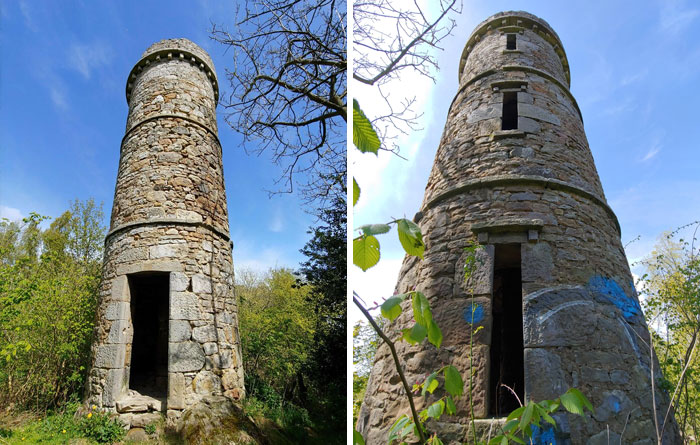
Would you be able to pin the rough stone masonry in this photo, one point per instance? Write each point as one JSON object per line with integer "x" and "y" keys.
{"x": 167, "y": 331}
{"x": 553, "y": 293}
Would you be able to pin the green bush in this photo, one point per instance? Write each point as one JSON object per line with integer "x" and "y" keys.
{"x": 101, "y": 428}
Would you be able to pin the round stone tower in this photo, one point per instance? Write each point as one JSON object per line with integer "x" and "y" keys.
{"x": 167, "y": 331}
{"x": 552, "y": 292}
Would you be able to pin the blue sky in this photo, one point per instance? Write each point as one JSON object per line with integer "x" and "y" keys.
{"x": 63, "y": 113}
{"x": 635, "y": 72}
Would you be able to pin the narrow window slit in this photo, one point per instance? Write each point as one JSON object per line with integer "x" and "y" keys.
{"x": 507, "y": 350}
{"x": 510, "y": 41}
{"x": 509, "y": 119}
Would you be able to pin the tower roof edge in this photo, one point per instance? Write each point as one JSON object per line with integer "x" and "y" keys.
{"x": 520, "y": 19}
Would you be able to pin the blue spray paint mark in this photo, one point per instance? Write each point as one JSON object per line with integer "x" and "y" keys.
{"x": 544, "y": 436}
{"x": 473, "y": 313}
{"x": 616, "y": 405}
{"x": 609, "y": 287}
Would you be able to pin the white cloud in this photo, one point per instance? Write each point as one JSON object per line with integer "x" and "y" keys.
{"x": 674, "y": 18}
{"x": 10, "y": 213}
{"x": 58, "y": 96}
{"x": 374, "y": 285}
{"x": 277, "y": 222}
{"x": 651, "y": 153}
{"x": 27, "y": 14}
{"x": 86, "y": 57}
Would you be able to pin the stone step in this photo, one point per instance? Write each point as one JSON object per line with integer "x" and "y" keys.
{"x": 137, "y": 403}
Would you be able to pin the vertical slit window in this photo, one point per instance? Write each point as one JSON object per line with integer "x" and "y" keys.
{"x": 509, "y": 120}
{"x": 510, "y": 41}
{"x": 507, "y": 349}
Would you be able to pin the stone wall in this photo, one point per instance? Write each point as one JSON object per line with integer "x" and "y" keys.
{"x": 170, "y": 220}
{"x": 537, "y": 187}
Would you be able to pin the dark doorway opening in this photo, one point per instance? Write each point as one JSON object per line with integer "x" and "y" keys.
{"x": 507, "y": 361}
{"x": 510, "y": 41}
{"x": 509, "y": 119}
{"x": 149, "y": 349}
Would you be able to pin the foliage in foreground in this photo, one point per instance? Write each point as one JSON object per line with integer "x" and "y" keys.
{"x": 671, "y": 300}
{"x": 278, "y": 325}
{"x": 65, "y": 425}
{"x": 48, "y": 295}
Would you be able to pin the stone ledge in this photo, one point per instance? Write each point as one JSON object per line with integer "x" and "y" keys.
{"x": 165, "y": 222}
{"x": 545, "y": 183}
{"x": 504, "y": 134}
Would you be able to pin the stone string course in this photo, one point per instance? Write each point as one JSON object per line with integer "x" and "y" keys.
{"x": 170, "y": 215}
{"x": 582, "y": 323}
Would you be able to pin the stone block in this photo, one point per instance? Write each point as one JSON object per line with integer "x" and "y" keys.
{"x": 544, "y": 377}
{"x": 604, "y": 437}
{"x": 164, "y": 251}
{"x": 176, "y": 391}
{"x": 110, "y": 356}
{"x": 117, "y": 310}
{"x": 114, "y": 387}
{"x": 204, "y": 334}
{"x": 455, "y": 318}
{"x": 537, "y": 264}
{"x": 143, "y": 420}
{"x": 132, "y": 254}
{"x": 206, "y": 383}
{"x": 201, "y": 284}
{"x": 210, "y": 348}
{"x": 538, "y": 113}
{"x": 480, "y": 281}
{"x": 179, "y": 282}
{"x": 183, "y": 306}
{"x": 185, "y": 357}
{"x": 150, "y": 266}
{"x": 120, "y": 332}
{"x": 180, "y": 330}
{"x": 120, "y": 288}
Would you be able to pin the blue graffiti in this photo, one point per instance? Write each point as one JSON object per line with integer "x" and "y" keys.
{"x": 546, "y": 436}
{"x": 609, "y": 287}
{"x": 473, "y": 313}
{"x": 616, "y": 405}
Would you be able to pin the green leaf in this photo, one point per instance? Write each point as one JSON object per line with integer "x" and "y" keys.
{"x": 516, "y": 413}
{"x": 526, "y": 417}
{"x": 430, "y": 384}
{"x": 363, "y": 134}
{"x": 365, "y": 251}
{"x": 434, "y": 334}
{"x": 504, "y": 441}
{"x": 515, "y": 439}
{"x": 510, "y": 425}
{"x": 582, "y": 398}
{"x": 411, "y": 237}
{"x": 453, "y": 381}
{"x": 391, "y": 308}
{"x": 414, "y": 335}
{"x": 436, "y": 409}
{"x": 355, "y": 192}
{"x": 421, "y": 309}
{"x": 397, "y": 427}
{"x": 357, "y": 438}
{"x": 450, "y": 405}
{"x": 374, "y": 229}
{"x": 572, "y": 403}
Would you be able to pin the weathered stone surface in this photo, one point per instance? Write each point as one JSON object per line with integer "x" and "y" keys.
{"x": 204, "y": 334}
{"x": 169, "y": 216}
{"x": 184, "y": 306}
{"x": 185, "y": 356}
{"x": 145, "y": 419}
{"x": 137, "y": 435}
{"x": 110, "y": 356}
{"x": 582, "y": 324}
{"x": 137, "y": 403}
{"x": 179, "y": 282}
{"x": 176, "y": 391}
{"x": 180, "y": 330}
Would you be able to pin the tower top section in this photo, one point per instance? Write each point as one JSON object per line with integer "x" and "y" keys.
{"x": 174, "y": 49}
{"x": 515, "y": 22}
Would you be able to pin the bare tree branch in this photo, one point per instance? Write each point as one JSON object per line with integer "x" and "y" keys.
{"x": 288, "y": 95}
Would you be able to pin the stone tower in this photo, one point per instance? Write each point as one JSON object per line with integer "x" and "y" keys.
{"x": 167, "y": 319}
{"x": 552, "y": 292}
